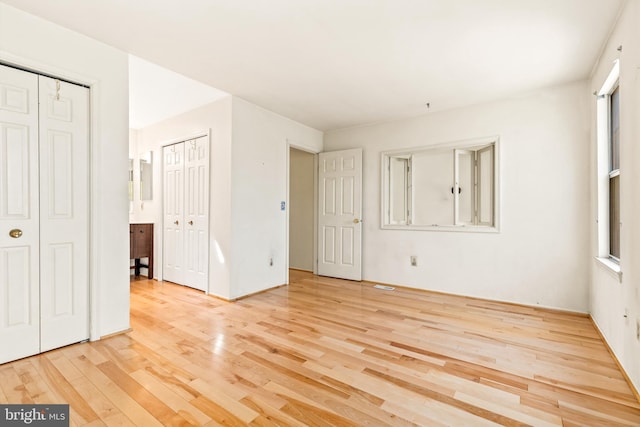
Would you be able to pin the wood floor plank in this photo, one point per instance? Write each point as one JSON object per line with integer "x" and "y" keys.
{"x": 178, "y": 404}
{"x": 327, "y": 352}
{"x": 219, "y": 414}
{"x": 144, "y": 397}
{"x": 12, "y": 386}
{"x": 125, "y": 403}
{"x": 434, "y": 413}
{"x": 80, "y": 410}
{"x": 269, "y": 415}
{"x": 35, "y": 385}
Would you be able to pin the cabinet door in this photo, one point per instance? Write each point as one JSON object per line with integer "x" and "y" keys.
{"x": 142, "y": 237}
{"x": 131, "y": 234}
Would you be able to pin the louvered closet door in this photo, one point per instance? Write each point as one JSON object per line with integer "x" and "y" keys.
{"x": 19, "y": 211}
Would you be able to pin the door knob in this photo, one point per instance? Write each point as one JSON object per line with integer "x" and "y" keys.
{"x": 176, "y": 222}
{"x": 356, "y": 221}
{"x": 15, "y": 233}
{"x": 190, "y": 222}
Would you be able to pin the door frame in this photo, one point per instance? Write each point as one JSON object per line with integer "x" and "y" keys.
{"x": 160, "y": 240}
{"x": 290, "y": 143}
{"x": 95, "y": 90}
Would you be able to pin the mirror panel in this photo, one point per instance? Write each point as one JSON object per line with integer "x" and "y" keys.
{"x": 130, "y": 180}
{"x": 146, "y": 176}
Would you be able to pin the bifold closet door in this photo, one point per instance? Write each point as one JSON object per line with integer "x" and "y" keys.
{"x": 196, "y": 213}
{"x": 173, "y": 268}
{"x": 44, "y": 198}
{"x": 19, "y": 215}
{"x": 64, "y": 213}
{"x": 186, "y": 213}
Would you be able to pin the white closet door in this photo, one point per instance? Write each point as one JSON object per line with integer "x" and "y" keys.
{"x": 64, "y": 213}
{"x": 19, "y": 258}
{"x": 173, "y": 158}
{"x": 196, "y": 216}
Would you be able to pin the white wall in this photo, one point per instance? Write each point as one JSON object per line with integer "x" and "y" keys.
{"x": 248, "y": 181}
{"x": 31, "y": 42}
{"x": 215, "y": 117}
{"x": 610, "y": 297}
{"x": 301, "y": 194}
{"x": 540, "y": 256}
{"x": 259, "y": 184}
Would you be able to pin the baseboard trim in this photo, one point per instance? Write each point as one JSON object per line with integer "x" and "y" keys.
{"x": 116, "y": 333}
{"x": 515, "y": 304}
{"x": 223, "y": 299}
{"x": 409, "y": 288}
{"x": 245, "y": 296}
{"x": 256, "y": 293}
{"x": 615, "y": 359}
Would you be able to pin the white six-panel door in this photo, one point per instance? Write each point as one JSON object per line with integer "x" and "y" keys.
{"x": 19, "y": 211}
{"x": 173, "y": 188}
{"x": 340, "y": 214}
{"x": 196, "y": 211}
{"x": 43, "y": 213}
{"x": 186, "y": 212}
{"x": 64, "y": 213}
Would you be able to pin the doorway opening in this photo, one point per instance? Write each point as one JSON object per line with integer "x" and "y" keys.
{"x": 155, "y": 121}
{"x": 302, "y": 207}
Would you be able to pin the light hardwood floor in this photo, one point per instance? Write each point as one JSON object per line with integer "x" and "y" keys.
{"x": 329, "y": 352}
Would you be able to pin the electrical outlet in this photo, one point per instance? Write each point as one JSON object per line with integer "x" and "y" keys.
{"x": 414, "y": 260}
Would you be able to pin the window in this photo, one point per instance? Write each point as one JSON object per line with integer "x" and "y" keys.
{"x": 608, "y": 140}
{"x": 444, "y": 187}
{"x": 614, "y": 174}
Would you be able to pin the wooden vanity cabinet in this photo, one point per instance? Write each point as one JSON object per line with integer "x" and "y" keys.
{"x": 141, "y": 246}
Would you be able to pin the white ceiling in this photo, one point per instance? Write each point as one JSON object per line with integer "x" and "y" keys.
{"x": 338, "y": 63}
{"x": 156, "y": 93}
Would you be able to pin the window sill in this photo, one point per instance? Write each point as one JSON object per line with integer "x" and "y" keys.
{"x": 612, "y": 267}
{"x": 455, "y": 228}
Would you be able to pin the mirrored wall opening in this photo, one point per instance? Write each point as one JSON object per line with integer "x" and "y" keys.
{"x": 451, "y": 186}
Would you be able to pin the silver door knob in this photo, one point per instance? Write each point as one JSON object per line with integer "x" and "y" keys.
{"x": 15, "y": 233}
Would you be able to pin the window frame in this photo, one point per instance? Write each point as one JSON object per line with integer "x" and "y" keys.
{"x": 614, "y": 173}
{"x": 475, "y": 145}
{"x": 606, "y": 171}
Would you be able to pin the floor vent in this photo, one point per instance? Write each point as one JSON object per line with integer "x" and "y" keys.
{"x": 386, "y": 288}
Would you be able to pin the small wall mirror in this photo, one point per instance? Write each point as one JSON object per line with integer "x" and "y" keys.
{"x": 130, "y": 180}
{"x": 146, "y": 176}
